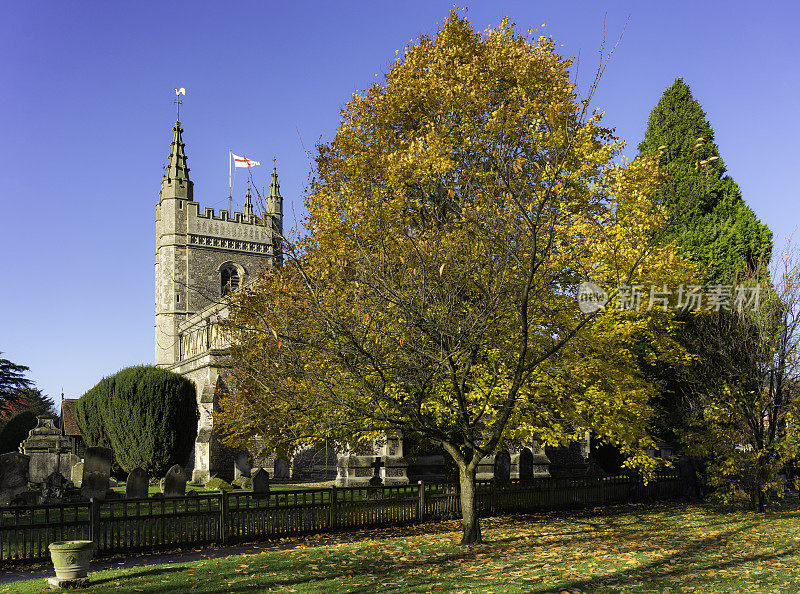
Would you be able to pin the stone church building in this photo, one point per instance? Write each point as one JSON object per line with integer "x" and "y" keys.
{"x": 200, "y": 256}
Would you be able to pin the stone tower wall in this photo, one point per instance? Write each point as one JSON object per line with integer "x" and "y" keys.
{"x": 191, "y": 248}
{"x": 171, "y": 269}
{"x": 216, "y": 240}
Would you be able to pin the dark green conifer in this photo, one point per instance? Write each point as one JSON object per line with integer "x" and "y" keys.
{"x": 712, "y": 223}
{"x": 146, "y": 415}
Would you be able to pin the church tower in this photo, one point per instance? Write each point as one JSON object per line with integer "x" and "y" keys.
{"x": 171, "y": 250}
{"x": 200, "y": 256}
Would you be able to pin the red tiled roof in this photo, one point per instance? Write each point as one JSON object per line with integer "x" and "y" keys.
{"x": 69, "y": 420}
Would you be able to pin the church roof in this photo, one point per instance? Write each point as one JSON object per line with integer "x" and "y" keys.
{"x": 69, "y": 420}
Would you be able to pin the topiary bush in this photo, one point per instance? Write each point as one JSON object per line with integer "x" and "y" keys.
{"x": 16, "y": 431}
{"x": 146, "y": 415}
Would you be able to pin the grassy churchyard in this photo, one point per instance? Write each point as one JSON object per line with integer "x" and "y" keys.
{"x": 633, "y": 548}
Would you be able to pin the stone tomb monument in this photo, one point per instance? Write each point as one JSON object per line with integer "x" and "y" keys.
{"x": 136, "y": 487}
{"x": 49, "y": 451}
{"x": 174, "y": 484}
{"x": 260, "y": 481}
{"x": 96, "y": 472}
{"x": 13, "y": 475}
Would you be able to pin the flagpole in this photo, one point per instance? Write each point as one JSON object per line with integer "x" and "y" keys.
{"x": 230, "y": 186}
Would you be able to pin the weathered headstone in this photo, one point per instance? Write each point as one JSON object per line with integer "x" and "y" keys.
{"x": 260, "y": 481}
{"x": 13, "y": 475}
{"x": 137, "y": 484}
{"x": 96, "y": 472}
{"x": 241, "y": 465}
{"x": 77, "y": 474}
{"x": 53, "y": 488}
{"x": 174, "y": 482}
{"x": 525, "y": 464}
{"x": 281, "y": 469}
{"x": 502, "y": 466}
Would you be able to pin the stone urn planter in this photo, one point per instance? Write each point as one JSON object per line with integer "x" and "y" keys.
{"x": 71, "y": 560}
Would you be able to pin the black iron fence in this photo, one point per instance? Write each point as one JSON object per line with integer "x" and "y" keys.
{"x": 129, "y": 525}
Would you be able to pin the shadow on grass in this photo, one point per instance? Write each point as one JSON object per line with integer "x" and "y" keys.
{"x": 689, "y": 560}
{"x": 138, "y": 574}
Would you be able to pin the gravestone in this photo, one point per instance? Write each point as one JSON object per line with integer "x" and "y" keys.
{"x": 53, "y": 488}
{"x": 96, "y": 472}
{"x": 260, "y": 481}
{"x": 175, "y": 482}
{"x": 502, "y": 466}
{"x": 241, "y": 465}
{"x": 13, "y": 475}
{"x": 137, "y": 484}
{"x": 525, "y": 464}
{"x": 281, "y": 469}
{"x": 376, "y": 480}
{"x": 77, "y": 474}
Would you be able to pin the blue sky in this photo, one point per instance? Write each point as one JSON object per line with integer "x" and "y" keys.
{"x": 86, "y": 93}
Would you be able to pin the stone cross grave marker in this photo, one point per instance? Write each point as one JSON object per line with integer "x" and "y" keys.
{"x": 175, "y": 482}
{"x": 96, "y": 472}
{"x": 13, "y": 475}
{"x": 376, "y": 480}
{"x": 137, "y": 484}
{"x": 260, "y": 481}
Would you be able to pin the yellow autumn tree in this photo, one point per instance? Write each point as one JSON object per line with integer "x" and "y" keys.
{"x": 434, "y": 291}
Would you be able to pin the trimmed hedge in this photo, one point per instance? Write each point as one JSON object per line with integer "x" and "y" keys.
{"x": 146, "y": 415}
{"x": 16, "y": 431}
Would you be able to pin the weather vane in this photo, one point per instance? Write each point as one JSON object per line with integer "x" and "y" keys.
{"x": 178, "y": 93}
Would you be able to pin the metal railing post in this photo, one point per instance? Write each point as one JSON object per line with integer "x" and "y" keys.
{"x": 332, "y": 508}
{"x": 94, "y": 522}
{"x": 223, "y": 516}
{"x": 421, "y": 509}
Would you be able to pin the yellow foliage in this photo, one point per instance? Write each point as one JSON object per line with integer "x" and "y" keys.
{"x": 450, "y": 221}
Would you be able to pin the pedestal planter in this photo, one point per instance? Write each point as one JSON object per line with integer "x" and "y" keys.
{"x": 71, "y": 560}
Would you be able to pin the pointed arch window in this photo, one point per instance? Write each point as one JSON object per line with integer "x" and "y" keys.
{"x": 230, "y": 279}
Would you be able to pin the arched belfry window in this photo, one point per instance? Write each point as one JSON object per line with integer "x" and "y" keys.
{"x": 230, "y": 278}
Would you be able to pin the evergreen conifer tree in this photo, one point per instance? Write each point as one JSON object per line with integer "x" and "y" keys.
{"x": 712, "y": 223}
{"x": 146, "y": 415}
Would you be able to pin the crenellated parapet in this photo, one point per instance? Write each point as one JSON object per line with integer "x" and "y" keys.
{"x": 227, "y": 231}
{"x": 234, "y": 217}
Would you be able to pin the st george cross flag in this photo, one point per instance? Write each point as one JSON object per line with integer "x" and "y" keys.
{"x": 242, "y": 162}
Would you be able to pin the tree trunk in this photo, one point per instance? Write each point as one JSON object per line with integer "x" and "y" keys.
{"x": 469, "y": 516}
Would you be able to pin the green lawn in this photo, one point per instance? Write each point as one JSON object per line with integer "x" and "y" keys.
{"x": 624, "y": 549}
